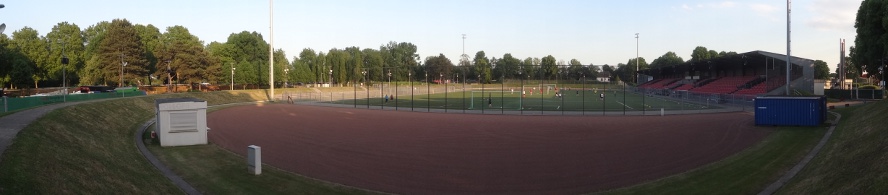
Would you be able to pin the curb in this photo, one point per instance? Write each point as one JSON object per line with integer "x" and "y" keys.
{"x": 771, "y": 189}
{"x": 166, "y": 171}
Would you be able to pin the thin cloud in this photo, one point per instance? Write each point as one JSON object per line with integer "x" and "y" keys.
{"x": 719, "y": 5}
{"x": 836, "y": 15}
{"x": 763, "y": 8}
{"x": 726, "y": 4}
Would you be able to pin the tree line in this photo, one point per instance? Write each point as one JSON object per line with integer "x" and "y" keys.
{"x": 124, "y": 54}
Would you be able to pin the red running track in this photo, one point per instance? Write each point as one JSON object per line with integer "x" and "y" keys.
{"x": 438, "y": 153}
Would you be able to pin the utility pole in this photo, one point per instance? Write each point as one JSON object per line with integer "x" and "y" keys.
{"x": 122, "y": 65}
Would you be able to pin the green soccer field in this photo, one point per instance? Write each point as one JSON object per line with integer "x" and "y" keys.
{"x": 574, "y": 99}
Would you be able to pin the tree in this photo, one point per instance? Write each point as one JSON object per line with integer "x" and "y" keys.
{"x": 250, "y": 52}
{"x": 151, "y": 43}
{"x": 399, "y": 57}
{"x": 700, "y": 53}
{"x": 508, "y": 66}
{"x": 631, "y": 71}
{"x": 851, "y": 71}
{"x": 575, "y": 70}
{"x": 483, "y": 67}
{"x": 872, "y": 31}
{"x": 548, "y": 67}
{"x": 33, "y": 47}
{"x": 438, "y": 67}
{"x": 337, "y": 61}
{"x": 92, "y": 36}
{"x": 187, "y": 58}
{"x": 120, "y": 46}
{"x": 713, "y": 54}
{"x": 67, "y": 38}
{"x": 355, "y": 64}
{"x": 220, "y": 52}
{"x": 15, "y": 68}
{"x": 667, "y": 60}
{"x": 821, "y": 70}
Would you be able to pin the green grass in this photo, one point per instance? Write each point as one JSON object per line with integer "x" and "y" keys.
{"x": 214, "y": 170}
{"x": 573, "y": 100}
{"x": 854, "y": 159}
{"x": 747, "y": 172}
{"x": 89, "y": 148}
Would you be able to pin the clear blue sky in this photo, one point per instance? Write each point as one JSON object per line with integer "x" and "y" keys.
{"x": 592, "y": 31}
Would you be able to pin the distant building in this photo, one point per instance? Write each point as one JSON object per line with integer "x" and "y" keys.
{"x": 604, "y": 77}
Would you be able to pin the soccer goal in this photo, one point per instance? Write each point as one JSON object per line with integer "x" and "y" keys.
{"x": 540, "y": 89}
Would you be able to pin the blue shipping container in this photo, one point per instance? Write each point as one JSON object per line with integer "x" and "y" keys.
{"x": 790, "y": 111}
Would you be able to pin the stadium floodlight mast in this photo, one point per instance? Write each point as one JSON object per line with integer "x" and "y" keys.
{"x": 637, "y": 64}
{"x": 464, "y": 44}
{"x": 271, "y": 50}
{"x": 788, "y": 41}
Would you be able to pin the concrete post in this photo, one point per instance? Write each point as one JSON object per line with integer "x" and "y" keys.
{"x": 254, "y": 159}
{"x": 5, "y": 109}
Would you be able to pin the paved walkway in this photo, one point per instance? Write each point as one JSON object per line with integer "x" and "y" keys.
{"x": 771, "y": 189}
{"x": 11, "y": 124}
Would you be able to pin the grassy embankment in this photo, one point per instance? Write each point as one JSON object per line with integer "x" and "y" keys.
{"x": 90, "y": 148}
{"x": 853, "y": 161}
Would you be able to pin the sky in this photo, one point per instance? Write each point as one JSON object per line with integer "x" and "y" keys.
{"x": 591, "y": 31}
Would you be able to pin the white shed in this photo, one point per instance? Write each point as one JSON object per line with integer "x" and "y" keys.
{"x": 181, "y": 121}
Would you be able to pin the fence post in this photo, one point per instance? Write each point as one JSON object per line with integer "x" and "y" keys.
{"x": 5, "y": 109}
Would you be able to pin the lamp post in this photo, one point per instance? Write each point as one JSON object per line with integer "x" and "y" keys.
{"x": 882, "y": 72}
{"x": 286, "y": 77}
{"x": 521, "y": 99}
{"x": 441, "y": 79}
{"x": 122, "y": 66}
{"x": 428, "y": 92}
{"x": 169, "y": 76}
{"x": 463, "y": 94}
{"x": 409, "y": 78}
{"x": 331, "y": 78}
{"x": 64, "y": 72}
{"x": 368, "y": 88}
{"x": 232, "y": 77}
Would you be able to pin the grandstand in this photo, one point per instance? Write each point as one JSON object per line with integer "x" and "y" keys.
{"x": 750, "y": 74}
